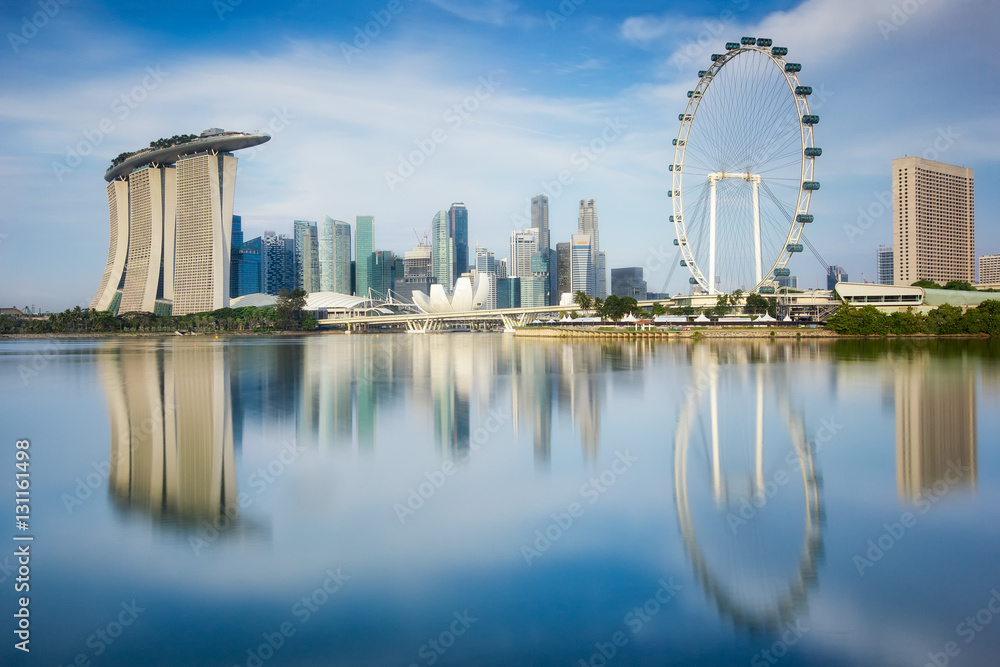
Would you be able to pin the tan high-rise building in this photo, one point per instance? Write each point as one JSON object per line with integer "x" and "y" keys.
{"x": 171, "y": 212}
{"x": 989, "y": 269}
{"x": 933, "y": 222}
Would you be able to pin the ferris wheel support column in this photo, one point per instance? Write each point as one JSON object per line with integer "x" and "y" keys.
{"x": 755, "y": 180}
{"x": 712, "y": 180}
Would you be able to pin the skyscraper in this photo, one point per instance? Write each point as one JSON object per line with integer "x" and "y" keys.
{"x": 582, "y": 278}
{"x": 342, "y": 257}
{"x": 458, "y": 227}
{"x": 279, "y": 262}
{"x": 523, "y": 244}
{"x": 171, "y": 212}
{"x": 383, "y": 273}
{"x": 602, "y": 276}
{"x": 251, "y": 273}
{"x": 487, "y": 269}
{"x": 564, "y": 273}
{"x": 334, "y": 253}
{"x": 443, "y": 251}
{"x": 306, "y": 256}
{"x": 989, "y": 269}
{"x": 835, "y": 274}
{"x": 325, "y": 232}
{"x": 417, "y": 272}
{"x": 628, "y": 282}
{"x": 587, "y": 224}
{"x": 883, "y": 258}
{"x": 540, "y": 219}
{"x": 364, "y": 245}
{"x": 933, "y": 226}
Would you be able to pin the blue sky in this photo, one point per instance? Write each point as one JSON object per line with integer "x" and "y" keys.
{"x": 538, "y": 80}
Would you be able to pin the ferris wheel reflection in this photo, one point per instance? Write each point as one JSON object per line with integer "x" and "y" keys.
{"x": 745, "y": 475}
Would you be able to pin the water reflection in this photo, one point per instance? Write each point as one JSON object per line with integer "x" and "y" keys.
{"x": 935, "y": 424}
{"x": 740, "y": 453}
{"x": 741, "y": 423}
{"x": 171, "y": 430}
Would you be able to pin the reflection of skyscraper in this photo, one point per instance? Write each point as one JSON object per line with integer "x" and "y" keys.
{"x": 171, "y": 431}
{"x": 935, "y": 426}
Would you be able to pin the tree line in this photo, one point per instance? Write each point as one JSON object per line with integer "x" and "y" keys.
{"x": 285, "y": 315}
{"x": 870, "y": 321}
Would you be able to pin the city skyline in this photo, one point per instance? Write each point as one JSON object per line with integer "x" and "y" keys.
{"x": 590, "y": 93}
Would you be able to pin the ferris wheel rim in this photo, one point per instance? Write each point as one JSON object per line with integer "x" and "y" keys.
{"x": 800, "y": 213}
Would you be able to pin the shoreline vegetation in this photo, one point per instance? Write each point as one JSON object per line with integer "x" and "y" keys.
{"x": 287, "y": 317}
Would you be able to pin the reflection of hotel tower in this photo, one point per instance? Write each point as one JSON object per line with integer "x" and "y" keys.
{"x": 171, "y": 430}
{"x": 935, "y": 425}
{"x": 171, "y": 212}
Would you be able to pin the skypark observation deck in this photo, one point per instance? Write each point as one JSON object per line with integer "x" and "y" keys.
{"x": 221, "y": 142}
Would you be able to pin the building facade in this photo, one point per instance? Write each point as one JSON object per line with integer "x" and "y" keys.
{"x": 933, "y": 222}
{"x": 458, "y": 227}
{"x": 171, "y": 215}
{"x": 383, "y": 273}
{"x": 582, "y": 278}
{"x": 306, "y": 256}
{"x": 563, "y": 270}
{"x": 442, "y": 251}
{"x": 486, "y": 268}
{"x": 989, "y": 269}
{"x": 628, "y": 282}
{"x": 364, "y": 246}
{"x": 883, "y": 264}
{"x": 835, "y": 274}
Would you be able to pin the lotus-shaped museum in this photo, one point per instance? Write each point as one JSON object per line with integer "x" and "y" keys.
{"x": 465, "y": 298}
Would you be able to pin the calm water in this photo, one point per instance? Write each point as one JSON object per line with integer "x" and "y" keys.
{"x": 476, "y": 499}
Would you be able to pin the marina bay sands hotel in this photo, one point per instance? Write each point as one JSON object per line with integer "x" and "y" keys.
{"x": 171, "y": 211}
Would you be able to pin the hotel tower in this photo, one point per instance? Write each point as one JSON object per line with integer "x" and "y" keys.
{"x": 171, "y": 211}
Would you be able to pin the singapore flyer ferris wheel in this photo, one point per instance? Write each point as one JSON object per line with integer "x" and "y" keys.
{"x": 742, "y": 175}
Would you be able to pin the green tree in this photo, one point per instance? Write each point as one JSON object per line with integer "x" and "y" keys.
{"x": 756, "y": 304}
{"x": 288, "y": 307}
{"x": 583, "y": 300}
